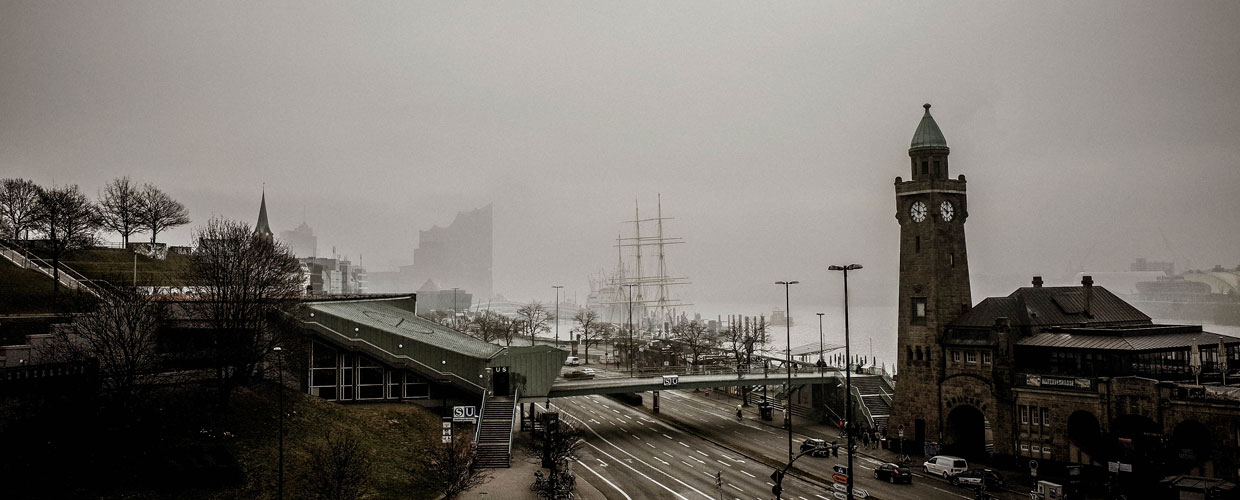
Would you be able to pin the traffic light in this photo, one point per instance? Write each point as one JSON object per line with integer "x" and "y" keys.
{"x": 835, "y": 450}
{"x": 777, "y": 489}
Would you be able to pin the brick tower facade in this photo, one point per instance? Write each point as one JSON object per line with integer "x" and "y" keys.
{"x": 934, "y": 279}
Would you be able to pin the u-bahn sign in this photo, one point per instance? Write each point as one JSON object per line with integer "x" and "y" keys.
{"x": 465, "y": 414}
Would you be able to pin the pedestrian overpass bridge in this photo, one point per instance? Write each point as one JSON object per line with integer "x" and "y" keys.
{"x": 562, "y": 387}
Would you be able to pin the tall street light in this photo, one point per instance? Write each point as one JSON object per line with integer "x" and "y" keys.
{"x": 455, "y": 322}
{"x": 788, "y": 363}
{"x": 280, "y": 373}
{"x": 847, "y": 376}
{"x": 822, "y": 352}
{"x": 557, "y": 314}
{"x": 630, "y": 328}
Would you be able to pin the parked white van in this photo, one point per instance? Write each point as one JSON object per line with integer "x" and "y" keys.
{"x": 945, "y": 466}
{"x": 572, "y": 361}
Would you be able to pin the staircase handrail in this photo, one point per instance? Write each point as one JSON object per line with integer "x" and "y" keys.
{"x": 516, "y": 403}
{"x": 68, "y": 276}
{"x": 887, "y": 378}
{"x": 865, "y": 410}
{"x": 482, "y": 412}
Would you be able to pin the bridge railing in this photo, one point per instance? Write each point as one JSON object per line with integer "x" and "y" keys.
{"x": 753, "y": 370}
{"x": 860, "y": 403}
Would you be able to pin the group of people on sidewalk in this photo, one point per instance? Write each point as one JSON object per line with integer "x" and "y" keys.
{"x": 870, "y": 438}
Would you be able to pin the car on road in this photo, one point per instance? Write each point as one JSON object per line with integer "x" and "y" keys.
{"x": 816, "y": 447}
{"x": 945, "y": 466}
{"x": 578, "y": 374}
{"x": 976, "y": 477}
{"x": 572, "y": 361}
{"x": 893, "y": 473}
{"x": 588, "y": 371}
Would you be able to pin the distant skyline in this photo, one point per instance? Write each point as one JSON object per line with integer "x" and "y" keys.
{"x": 1091, "y": 133}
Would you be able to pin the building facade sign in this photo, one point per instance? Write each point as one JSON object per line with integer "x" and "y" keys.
{"x": 1083, "y": 384}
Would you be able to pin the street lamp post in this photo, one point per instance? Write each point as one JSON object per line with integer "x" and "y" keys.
{"x": 822, "y": 352}
{"x": 454, "y": 312}
{"x": 280, "y": 373}
{"x": 788, "y": 363}
{"x": 557, "y": 315}
{"x": 630, "y": 356}
{"x": 847, "y": 376}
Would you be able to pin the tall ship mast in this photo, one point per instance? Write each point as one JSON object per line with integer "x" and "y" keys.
{"x": 653, "y": 303}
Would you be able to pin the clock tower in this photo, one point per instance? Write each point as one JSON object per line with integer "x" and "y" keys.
{"x": 934, "y": 279}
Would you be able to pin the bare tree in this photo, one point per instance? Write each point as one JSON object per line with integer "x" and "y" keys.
{"x": 592, "y": 331}
{"x": 442, "y": 317}
{"x": 488, "y": 326}
{"x": 338, "y": 469}
{"x": 158, "y": 211}
{"x": 119, "y": 206}
{"x": 556, "y": 445}
{"x": 19, "y": 206}
{"x": 69, "y": 222}
{"x": 696, "y": 338}
{"x": 534, "y": 318}
{"x": 450, "y": 467}
{"x": 120, "y": 334}
{"x": 244, "y": 279}
{"x": 511, "y": 328}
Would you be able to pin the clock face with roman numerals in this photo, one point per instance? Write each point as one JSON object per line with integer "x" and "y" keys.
{"x": 946, "y": 211}
{"x": 918, "y": 211}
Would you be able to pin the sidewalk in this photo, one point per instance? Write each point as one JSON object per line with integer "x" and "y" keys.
{"x": 514, "y": 482}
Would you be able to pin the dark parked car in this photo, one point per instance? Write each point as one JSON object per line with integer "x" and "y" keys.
{"x": 820, "y": 448}
{"x": 974, "y": 477}
{"x": 894, "y": 473}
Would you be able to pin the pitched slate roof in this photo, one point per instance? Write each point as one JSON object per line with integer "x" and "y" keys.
{"x": 1052, "y": 306}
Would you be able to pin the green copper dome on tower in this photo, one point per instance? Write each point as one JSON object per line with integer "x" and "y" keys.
{"x": 928, "y": 134}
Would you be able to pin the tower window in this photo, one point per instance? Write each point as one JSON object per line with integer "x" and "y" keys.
{"x": 918, "y": 353}
{"x": 908, "y": 354}
{"x": 917, "y": 244}
{"x": 985, "y": 358}
{"x": 951, "y": 259}
{"x": 955, "y": 356}
{"x": 925, "y": 167}
{"x": 936, "y": 168}
{"x": 971, "y": 358}
{"x": 918, "y": 312}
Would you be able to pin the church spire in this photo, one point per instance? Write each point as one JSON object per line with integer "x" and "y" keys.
{"x": 262, "y": 228}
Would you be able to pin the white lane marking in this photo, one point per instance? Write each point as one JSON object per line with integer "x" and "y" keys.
{"x": 748, "y": 474}
{"x": 622, "y": 450}
{"x": 696, "y": 459}
{"x": 702, "y": 452}
{"x": 650, "y": 445}
{"x": 621, "y": 462}
{"x": 735, "y": 488}
{"x": 667, "y": 436}
{"x": 682, "y": 443}
{"x": 687, "y": 463}
{"x": 609, "y": 483}
{"x": 666, "y": 453}
{"x": 724, "y": 463}
{"x": 822, "y": 497}
{"x": 661, "y": 460}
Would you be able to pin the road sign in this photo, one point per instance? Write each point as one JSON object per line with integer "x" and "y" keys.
{"x": 1112, "y": 466}
{"x": 777, "y": 476}
{"x": 777, "y": 490}
{"x": 465, "y": 414}
{"x": 841, "y": 496}
{"x": 719, "y": 479}
{"x": 860, "y": 493}
{"x": 1123, "y": 467}
{"x": 671, "y": 380}
{"x": 447, "y": 431}
{"x": 840, "y": 487}
{"x": 840, "y": 469}
{"x": 1033, "y": 464}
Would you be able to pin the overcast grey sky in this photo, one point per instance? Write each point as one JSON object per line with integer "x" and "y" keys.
{"x": 1087, "y": 130}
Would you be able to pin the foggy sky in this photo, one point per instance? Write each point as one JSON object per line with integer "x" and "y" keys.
{"x": 1091, "y": 133}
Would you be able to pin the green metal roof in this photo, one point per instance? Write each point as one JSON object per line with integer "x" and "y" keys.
{"x": 928, "y": 134}
{"x": 387, "y": 317}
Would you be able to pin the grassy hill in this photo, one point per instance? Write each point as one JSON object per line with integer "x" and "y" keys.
{"x": 175, "y": 443}
{"x": 117, "y": 266}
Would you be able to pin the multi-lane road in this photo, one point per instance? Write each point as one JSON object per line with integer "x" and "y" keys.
{"x": 631, "y": 453}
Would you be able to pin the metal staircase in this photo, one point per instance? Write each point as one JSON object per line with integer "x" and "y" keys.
{"x": 495, "y": 432}
{"x": 24, "y": 259}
